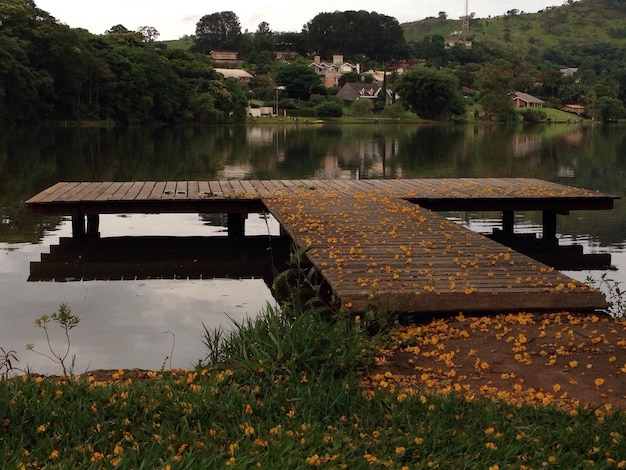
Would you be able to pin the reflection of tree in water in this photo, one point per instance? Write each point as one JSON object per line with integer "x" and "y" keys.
{"x": 429, "y": 151}
{"x": 34, "y": 159}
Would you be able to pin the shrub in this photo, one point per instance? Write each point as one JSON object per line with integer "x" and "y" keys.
{"x": 534, "y": 115}
{"x": 329, "y": 109}
{"x": 362, "y": 108}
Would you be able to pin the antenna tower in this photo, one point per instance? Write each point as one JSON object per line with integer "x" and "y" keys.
{"x": 466, "y": 18}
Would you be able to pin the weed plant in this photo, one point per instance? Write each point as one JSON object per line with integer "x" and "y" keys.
{"x": 614, "y": 294}
{"x": 67, "y": 321}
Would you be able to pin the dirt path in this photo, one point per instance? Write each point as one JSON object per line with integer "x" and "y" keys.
{"x": 559, "y": 358}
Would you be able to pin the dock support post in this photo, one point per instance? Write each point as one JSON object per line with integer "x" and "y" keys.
{"x": 93, "y": 226}
{"x": 78, "y": 225}
{"x": 508, "y": 221}
{"x": 549, "y": 227}
{"x": 236, "y": 225}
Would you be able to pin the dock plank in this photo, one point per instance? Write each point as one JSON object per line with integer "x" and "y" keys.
{"x": 193, "y": 190}
{"x": 134, "y": 190}
{"x": 58, "y": 193}
{"x": 108, "y": 192}
{"x": 157, "y": 191}
{"x": 145, "y": 191}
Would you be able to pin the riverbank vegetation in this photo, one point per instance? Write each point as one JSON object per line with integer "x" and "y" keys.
{"x": 289, "y": 387}
{"x": 52, "y": 73}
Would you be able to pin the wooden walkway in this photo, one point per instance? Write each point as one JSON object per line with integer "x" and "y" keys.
{"x": 369, "y": 240}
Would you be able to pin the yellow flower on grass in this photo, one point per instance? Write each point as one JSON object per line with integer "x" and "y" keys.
{"x": 54, "y": 455}
{"x": 369, "y": 458}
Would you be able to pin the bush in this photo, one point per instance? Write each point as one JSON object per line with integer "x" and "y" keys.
{"x": 362, "y": 108}
{"x": 394, "y": 111}
{"x": 301, "y": 112}
{"x": 329, "y": 109}
{"x": 534, "y": 115}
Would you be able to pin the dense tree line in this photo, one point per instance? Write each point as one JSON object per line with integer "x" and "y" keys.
{"x": 351, "y": 33}
{"x": 355, "y": 32}
{"x": 49, "y": 71}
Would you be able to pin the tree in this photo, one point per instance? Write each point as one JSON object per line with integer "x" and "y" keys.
{"x": 351, "y": 77}
{"x": 148, "y": 33}
{"x": 329, "y": 109}
{"x": 363, "y": 107}
{"x": 609, "y": 109}
{"x": 299, "y": 79}
{"x": 217, "y": 31}
{"x": 432, "y": 94}
{"x": 350, "y": 32}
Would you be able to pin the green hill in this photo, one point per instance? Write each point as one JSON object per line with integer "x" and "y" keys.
{"x": 560, "y": 35}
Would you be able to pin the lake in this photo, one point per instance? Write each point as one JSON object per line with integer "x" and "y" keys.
{"x": 137, "y": 323}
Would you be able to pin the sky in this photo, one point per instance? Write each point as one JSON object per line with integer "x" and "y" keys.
{"x": 176, "y": 18}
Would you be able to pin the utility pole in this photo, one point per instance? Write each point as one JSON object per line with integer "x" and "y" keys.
{"x": 466, "y": 18}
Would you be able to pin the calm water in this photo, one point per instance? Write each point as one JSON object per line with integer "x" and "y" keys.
{"x": 133, "y": 323}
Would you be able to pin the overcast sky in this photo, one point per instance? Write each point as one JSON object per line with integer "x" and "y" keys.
{"x": 176, "y": 18}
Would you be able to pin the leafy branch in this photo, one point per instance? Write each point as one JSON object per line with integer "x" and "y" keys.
{"x": 7, "y": 363}
{"x": 64, "y": 318}
{"x": 614, "y": 294}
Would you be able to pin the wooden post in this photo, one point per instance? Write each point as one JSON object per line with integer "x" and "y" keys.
{"x": 237, "y": 225}
{"x": 508, "y": 222}
{"x": 93, "y": 226}
{"x": 78, "y": 224}
{"x": 549, "y": 227}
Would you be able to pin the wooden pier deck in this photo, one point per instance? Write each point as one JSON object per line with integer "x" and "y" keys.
{"x": 374, "y": 241}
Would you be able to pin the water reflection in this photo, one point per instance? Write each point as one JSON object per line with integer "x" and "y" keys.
{"x": 162, "y": 257}
{"x": 123, "y": 322}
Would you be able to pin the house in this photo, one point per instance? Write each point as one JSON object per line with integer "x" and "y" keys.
{"x": 240, "y": 74}
{"x": 224, "y": 56}
{"x": 458, "y": 42}
{"x": 359, "y": 91}
{"x": 524, "y": 100}
{"x": 569, "y": 72}
{"x": 331, "y": 71}
{"x": 379, "y": 75}
{"x": 573, "y": 108}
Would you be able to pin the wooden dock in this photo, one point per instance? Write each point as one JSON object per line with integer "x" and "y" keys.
{"x": 375, "y": 242}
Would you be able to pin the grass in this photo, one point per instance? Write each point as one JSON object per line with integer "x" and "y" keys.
{"x": 285, "y": 389}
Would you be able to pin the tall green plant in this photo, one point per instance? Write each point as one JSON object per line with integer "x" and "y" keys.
{"x": 614, "y": 294}
{"x": 64, "y": 318}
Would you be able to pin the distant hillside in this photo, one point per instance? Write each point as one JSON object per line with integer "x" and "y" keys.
{"x": 556, "y": 34}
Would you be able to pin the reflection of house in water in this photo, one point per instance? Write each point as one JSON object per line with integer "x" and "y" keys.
{"x": 565, "y": 172}
{"x": 361, "y": 159}
{"x": 524, "y": 144}
{"x": 574, "y": 138}
{"x": 239, "y": 171}
{"x": 260, "y": 135}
